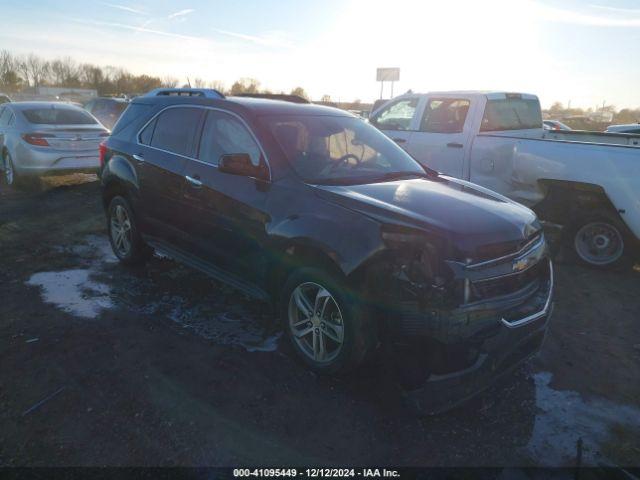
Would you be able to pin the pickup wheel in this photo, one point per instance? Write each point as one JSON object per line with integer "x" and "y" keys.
{"x": 326, "y": 326}
{"x": 600, "y": 240}
{"x": 124, "y": 236}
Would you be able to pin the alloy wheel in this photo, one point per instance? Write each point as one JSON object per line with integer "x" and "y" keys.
{"x": 8, "y": 170}
{"x": 121, "y": 231}
{"x": 316, "y": 322}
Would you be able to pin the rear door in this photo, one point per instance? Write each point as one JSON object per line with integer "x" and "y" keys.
{"x": 164, "y": 146}
{"x": 443, "y": 135}
{"x": 226, "y": 214}
{"x": 398, "y": 118}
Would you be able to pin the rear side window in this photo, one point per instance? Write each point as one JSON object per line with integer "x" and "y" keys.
{"x": 396, "y": 116}
{"x": 224, "y": 134}
{"x": 511, "y": 114}
{"x": 58, "y": 116}
{"x": 132, "y": 116}
{"x": 147, "y": 133}
{"x": 445, "y": 115}
{"x": 175, "y": 130}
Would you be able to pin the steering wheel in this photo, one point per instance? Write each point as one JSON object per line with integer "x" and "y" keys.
{"x": 344, "y": 159}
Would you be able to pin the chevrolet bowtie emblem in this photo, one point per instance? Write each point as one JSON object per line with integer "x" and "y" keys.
{"x": 520, "y": 264}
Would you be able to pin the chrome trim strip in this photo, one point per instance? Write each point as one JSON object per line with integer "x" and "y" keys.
{"x": 530, "y": 246}
{"x": 202, "y": 107}
{"x": 535, "y": 316}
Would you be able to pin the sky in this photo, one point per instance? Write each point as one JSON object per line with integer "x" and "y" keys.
{"x": 584, "y": 51}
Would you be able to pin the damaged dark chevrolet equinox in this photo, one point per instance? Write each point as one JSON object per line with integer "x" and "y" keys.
{"x": 354, "y": 242}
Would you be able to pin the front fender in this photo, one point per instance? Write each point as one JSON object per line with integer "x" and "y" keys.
{"x": 345, "y": 238}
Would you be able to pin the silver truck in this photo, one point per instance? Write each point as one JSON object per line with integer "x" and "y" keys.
{"x": 589, "y": 182}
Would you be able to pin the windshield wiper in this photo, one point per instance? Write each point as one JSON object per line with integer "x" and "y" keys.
{"x": 428, "y": 173}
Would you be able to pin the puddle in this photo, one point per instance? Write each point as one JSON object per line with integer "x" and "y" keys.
{"x": 77, "y": 292}
{"x": 226, "y": 328}
{"x": 96, "y": 248}
{"x": 565, "y": 416}
{"x": 73, "y": 291}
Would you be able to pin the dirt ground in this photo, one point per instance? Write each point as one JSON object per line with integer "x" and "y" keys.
{"x": 158, "y": 366}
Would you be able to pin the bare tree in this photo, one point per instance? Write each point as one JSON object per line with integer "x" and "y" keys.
{"x": 245, "y": 85}
{"x": 299, "y": 91}
{"x": 37, "y": 68}
{"x": 64, "y": 72}
{"x": 9, "y": 79}
{"x": 169, "y": 82}
{"x": 91, "y": 76}
{"x": 23, "y": 69}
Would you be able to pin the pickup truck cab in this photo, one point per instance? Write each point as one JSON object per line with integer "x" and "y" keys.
{"x": 588, "y": 182}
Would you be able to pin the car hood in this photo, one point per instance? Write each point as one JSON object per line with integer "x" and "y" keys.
{"x": 475, "y": 221}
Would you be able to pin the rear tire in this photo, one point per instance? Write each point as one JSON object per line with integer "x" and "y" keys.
{"x": 601, "y": 240}
{"x": 124, "y": 236}
{"x": 11, "y": 178}
{"x": 327, "y": 327}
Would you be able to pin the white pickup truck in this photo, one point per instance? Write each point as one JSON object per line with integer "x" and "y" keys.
{"x": 589, "y": 182}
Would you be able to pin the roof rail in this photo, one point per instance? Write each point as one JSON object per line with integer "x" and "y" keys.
{"x": 185, "y": 92}
{"x": 275, "y": 96}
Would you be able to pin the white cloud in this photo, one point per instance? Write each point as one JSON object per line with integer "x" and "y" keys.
{"x": 617, "y": 9}
{"x": 181, "y": 13}
{"x": 134, "y": 28}
{"x": 274, "y": 39}
{"x": 548, "y": 13}
{"x": 124, "y": 8}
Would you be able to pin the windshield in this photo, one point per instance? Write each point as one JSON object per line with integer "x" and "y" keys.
{"x": 334, "y": 150}
{"x": 58, "y": 116}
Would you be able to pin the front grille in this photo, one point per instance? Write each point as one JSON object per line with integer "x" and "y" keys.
{"x": 505, "y": 285}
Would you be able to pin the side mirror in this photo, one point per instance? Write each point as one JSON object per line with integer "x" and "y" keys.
{"x": 240, "y": 164}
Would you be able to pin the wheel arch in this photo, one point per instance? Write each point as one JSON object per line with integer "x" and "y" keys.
{"x": 118, "y": 178}
{"x": 296, "y": 254}
{"x": 565, "y": 200}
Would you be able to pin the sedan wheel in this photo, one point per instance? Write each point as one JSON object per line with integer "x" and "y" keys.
{"x": 316, "y": 322}
{"x": 9, "y": 173}
{"x": 121, "y": 231}
{"x": 599, "y": 243}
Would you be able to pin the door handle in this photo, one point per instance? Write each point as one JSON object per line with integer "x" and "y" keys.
{"x": 400, "y": 140}
{"x": 193, "y": 181}
{"x": 454, "y": 145}
{"x": 137, "y": 157}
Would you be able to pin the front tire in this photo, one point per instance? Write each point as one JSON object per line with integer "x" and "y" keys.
{"x": 124, "y": 236}
{"x": 327, "y": 327}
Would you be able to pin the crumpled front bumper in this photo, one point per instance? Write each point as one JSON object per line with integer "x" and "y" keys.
{"x": 481, "y": 349}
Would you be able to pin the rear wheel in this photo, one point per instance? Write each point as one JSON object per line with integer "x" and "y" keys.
{"x": 12, "y": 179}
{"x": 327, "y": 328}
{"x": 124, "y": 236}
{"x": 9, "y": 172}
{"x": 600, "y": 240}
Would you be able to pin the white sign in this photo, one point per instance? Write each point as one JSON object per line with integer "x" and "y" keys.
{"x": 388, "y": 74}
